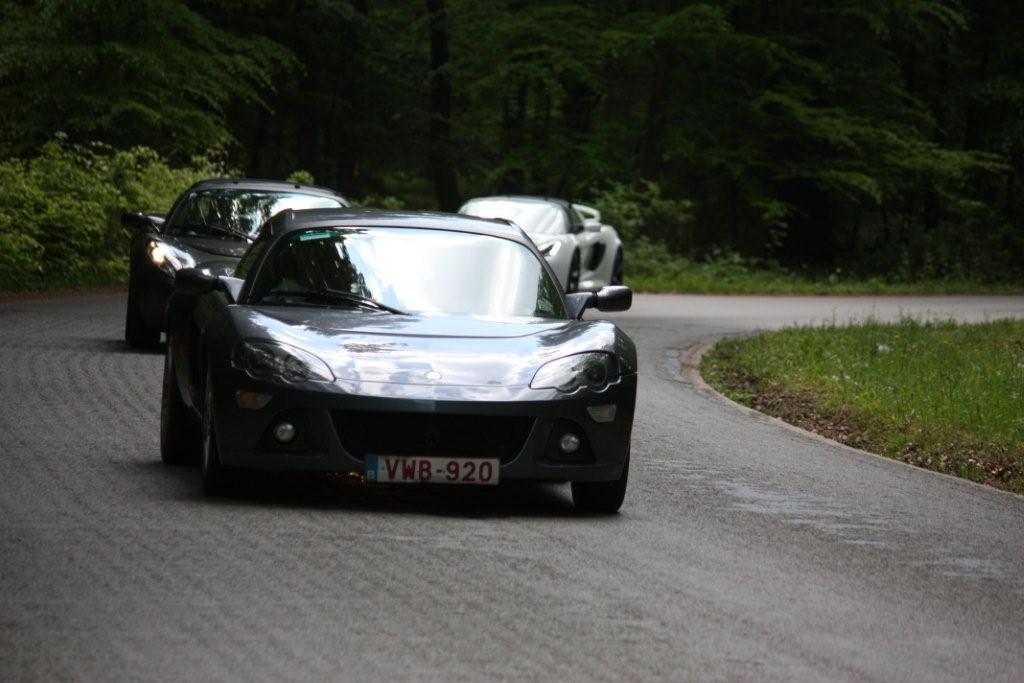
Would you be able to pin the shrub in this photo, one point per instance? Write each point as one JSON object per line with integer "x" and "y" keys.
{"x": 60, "y": 211}
{"x": 640, "y": 210}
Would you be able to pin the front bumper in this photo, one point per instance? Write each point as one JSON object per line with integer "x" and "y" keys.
{"x": 244, "y": 436}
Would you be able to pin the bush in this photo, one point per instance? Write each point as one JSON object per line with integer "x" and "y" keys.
{"x": 641, "y": 211}
{"x": 60, "y": 211}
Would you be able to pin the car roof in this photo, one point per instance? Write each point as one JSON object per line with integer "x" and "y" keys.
{"x": 525, "y": 198}
{"x": 304, "y": 219}
{"x": 263, "y": 184}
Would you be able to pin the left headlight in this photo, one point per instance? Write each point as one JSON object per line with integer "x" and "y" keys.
{"x": 266, "y": 359}
{"x": 592, "y": 370}
{"x": 167, "y": 258}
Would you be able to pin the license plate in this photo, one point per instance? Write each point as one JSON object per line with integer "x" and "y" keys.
{"x": 388, "y": 469}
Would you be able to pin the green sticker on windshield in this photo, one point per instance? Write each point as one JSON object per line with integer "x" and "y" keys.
{"x": 318, "y": 235}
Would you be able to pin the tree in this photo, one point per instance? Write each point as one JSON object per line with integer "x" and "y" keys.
{"x": 126, "y": 72}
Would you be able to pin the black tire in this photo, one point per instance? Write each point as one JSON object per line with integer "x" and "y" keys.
{"x": 603, "y": 497}
{"x": 617, "y": 269}
{"x": 137, "y": 333}
{"x": 217, "y": 479}
{"x": 572, "y": 283}
{"x": 180, "y": 438}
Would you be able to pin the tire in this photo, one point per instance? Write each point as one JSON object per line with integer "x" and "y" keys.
{"x": 180, "y": 438}
{"x": 137, "y": 333}
{"x": 217, "y": 479}
{"x": 604, "y": 497}
{"x": 572, "y": 283}
{"x": 617, "y": 269}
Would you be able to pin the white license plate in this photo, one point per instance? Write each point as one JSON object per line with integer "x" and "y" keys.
{"x": 387, "y": 469}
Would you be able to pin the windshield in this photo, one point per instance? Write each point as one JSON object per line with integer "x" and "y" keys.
{"x": 425, "y": 272}
{"x": 535, "y": 217}
{"x": 237, "y": 214}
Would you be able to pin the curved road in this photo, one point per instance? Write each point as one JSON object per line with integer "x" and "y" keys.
{"x": 744, "y": 550}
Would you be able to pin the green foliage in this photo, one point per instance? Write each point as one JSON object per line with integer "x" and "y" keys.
{"x": 127, "y": 72}
{"x": 300, "y": 176}
{"x": 879, "y": 137}
{"x": 60, "y": 211}
{"x": 640, "y": 210}
{"x": 941, "y": 395}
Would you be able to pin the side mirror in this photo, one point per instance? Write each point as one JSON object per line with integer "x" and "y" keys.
{"x": 139, "y": 221}
{"x": 614, "y": 298}
{"x": 608, "y": 300}
{"x": 193, "y": 281}
{"x": 591, "y": 225}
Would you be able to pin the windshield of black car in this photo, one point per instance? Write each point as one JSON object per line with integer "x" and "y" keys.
{"x": 418, "y": 271}
{"x": 236, "y": 213}
{"x": 535, "y": 217}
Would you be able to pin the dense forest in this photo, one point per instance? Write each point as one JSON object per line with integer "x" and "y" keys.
{"x": 883, "y": 137}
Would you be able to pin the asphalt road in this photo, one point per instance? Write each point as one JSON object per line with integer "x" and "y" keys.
{"x": 744, "y": 550}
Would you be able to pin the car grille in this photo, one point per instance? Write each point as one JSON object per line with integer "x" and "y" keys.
{"x": 466, "y": 436}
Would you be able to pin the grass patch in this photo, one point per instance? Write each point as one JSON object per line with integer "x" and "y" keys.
{"x": 944, "y": 396}
{"x": 651, "y": 267}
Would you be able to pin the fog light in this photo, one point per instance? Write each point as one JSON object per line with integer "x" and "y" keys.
{"x": 284, "y": 432}
{"x": 569, "y": 443}
{"x": 602, "y": 413}
{"x": 252, "y": 400}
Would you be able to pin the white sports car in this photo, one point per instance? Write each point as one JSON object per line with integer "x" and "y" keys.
{"x": 584, "y": 254}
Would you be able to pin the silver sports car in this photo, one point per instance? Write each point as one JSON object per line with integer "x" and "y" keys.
{"x": 405, "y": 347}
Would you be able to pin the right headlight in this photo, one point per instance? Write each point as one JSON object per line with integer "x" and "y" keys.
{"x": 263, "y": 359}
{"x": 594, "y": 371}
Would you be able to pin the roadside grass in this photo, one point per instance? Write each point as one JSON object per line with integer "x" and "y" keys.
{"x": 939, "y": 395}
{"x": 651, "y": 267}
{"x": 701, "y": 278}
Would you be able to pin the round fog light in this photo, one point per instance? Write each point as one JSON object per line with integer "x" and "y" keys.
{"x": 284, "y": 432}
{"x": 569, "y": 443}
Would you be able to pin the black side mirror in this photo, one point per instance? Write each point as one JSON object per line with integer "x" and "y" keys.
{"x": 608, "y": 299}
{"x": 614, "y": 298}
{"x": 140, "y": 222}
{"x": 194, "y": 282}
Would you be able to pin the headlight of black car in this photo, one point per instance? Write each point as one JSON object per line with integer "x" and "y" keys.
{"x": 594, "y": 371}
{"x": 263, "y": 359}
{"x": 168, "y": 258}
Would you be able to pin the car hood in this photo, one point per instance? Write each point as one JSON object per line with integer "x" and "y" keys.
{"x": 205, "y": 249}
{"x": 362, "y": 346}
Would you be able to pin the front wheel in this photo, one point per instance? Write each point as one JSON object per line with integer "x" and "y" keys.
{"x": 179, "y": 433}
{"x": 572, "y": 283}
{"x": 603, "y": 497}
{"x": 137, "y": 333}
{"x": 216, "y": 478}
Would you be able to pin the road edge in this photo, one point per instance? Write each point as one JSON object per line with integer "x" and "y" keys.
{"x": 689, "y": 365}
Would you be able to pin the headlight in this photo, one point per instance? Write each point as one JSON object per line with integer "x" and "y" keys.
{"x": 168, "y": 258}
{"x": 549, "y": 249}
{"x": 592, "y": 370}
{"x": 267, "y": 359}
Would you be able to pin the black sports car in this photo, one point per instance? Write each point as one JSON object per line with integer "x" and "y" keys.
{"x": 407, "y": 347}
{"x": 210, "y": 226}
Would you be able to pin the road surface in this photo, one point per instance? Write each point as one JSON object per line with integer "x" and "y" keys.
{"x": 744, "y": 550}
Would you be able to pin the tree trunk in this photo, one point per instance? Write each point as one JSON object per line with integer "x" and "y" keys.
{"x": 653, "y": 141}
{"x": 441, "y": 164}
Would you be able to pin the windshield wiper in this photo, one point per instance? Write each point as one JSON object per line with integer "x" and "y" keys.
{"x": 334, "y": 296}
{"x": 218, "y": 229}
